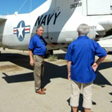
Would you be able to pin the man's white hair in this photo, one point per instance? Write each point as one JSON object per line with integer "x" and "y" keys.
{"x": 39, "y": 27}
{"x": 83, "y": 29}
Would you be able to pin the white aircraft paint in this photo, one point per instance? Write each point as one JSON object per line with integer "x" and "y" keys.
{"x": 60, "y": 20}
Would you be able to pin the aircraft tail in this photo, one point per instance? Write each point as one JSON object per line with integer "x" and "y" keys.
{"x": 40, "y": 10}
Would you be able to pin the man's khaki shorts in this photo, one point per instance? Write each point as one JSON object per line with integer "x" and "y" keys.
{"x": 86, "y": 91}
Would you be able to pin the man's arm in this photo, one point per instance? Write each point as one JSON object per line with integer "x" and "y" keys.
{"x": 31, "y": 57}
{"x": 69, "y": 69}
{"x": 96, "y": 64}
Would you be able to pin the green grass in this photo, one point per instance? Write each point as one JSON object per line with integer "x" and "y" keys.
{"x": 52, "y": 58}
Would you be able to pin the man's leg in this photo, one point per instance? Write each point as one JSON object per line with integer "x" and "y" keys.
{"x": 87, "y": 97}
{"x": 38, "y": 72}
{"x": 42, "y": 74}
{"x": 74, "y": 109}
{"x": 87, "y": 110}
{"x": 75, "y": 91}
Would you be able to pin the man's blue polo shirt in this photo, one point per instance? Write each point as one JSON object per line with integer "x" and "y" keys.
{"x": 81, "y": 53}
{"x": 37, "y": 45}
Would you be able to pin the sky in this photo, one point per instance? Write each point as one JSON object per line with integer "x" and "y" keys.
{"x": 21, "y": 6}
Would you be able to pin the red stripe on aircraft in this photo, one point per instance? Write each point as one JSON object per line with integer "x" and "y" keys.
{"x": 15, "y": 30}
{"x": 27, "y": 29}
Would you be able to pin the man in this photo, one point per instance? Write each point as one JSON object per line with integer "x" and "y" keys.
{"x": 81, "y": 67}
{"x": 37, "y": 50}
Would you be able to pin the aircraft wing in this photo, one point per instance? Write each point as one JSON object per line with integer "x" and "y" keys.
{"x": 2, "y": 18}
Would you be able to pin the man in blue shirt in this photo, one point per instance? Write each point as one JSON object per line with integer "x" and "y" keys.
{"x": 37, "y": 50}
{"x": 81, "y": 66}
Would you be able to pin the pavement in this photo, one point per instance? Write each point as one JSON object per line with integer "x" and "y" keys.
{"x": 17, "y": 85}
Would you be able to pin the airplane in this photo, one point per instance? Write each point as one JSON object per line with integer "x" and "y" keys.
{"x": 60, "y": 19}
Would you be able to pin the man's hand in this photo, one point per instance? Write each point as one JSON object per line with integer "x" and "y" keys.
{"x": 95, "y": 66}
{"x": 31, "y": 57}
{"x": 32, "y": 62}
{"x": 69, "y": 76}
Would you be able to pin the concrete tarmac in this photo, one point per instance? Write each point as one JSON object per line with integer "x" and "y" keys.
{"x": 17, "y": 85}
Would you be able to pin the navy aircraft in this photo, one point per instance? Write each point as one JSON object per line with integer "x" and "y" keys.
{"x": 60, "y": 19}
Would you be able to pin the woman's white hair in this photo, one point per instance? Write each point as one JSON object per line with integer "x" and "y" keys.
{"x": 83, "y": 29}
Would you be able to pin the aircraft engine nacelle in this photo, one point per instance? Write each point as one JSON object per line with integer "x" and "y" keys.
{"x": 106, "y": 22}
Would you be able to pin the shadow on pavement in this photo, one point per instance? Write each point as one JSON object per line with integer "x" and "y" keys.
{"x": 101, "y": 80}
{"x": 18, "y": 78}
{"x": 18, "y": 59}
{"x": 105, "y": 65}
{"x": 51, "y": 71}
